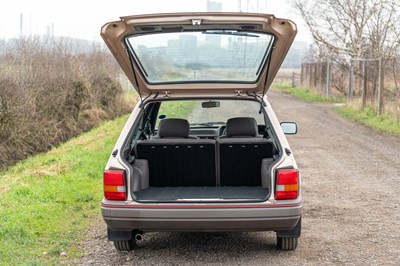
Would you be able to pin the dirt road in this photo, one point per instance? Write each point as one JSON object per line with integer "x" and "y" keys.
{"x": 351, "y": 190}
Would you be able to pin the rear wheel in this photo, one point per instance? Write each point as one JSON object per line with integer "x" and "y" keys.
{"x": 125, "y": 245}
{"x": 287, "y": 243}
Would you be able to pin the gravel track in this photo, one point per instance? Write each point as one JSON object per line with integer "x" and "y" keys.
{"x": 351, "y": 187}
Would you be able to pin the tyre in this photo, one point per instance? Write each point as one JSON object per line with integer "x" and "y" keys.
{"x": 125, "y": 245}
{"x": 287, "y": 243}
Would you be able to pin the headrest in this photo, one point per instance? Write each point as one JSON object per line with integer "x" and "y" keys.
{"x": 173, "y": 128}
{"x": 241, "y": 127}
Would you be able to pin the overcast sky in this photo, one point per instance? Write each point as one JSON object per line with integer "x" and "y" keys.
{"x": 83, "y": 18}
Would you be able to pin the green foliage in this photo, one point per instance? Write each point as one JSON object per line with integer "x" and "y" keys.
{"x": 368, "y": 117}
{"x": 50, "y": 93}
{"x": 177, "y": 109}
{"x": 48, "y": 200}
{"x": 306, "y": 94}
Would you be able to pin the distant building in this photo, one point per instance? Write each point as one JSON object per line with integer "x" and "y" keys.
{"x": 213, "y": 6}
{"x": 213, "y": 40}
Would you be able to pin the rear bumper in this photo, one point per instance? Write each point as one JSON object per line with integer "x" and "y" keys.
{"x": 260, "y": 217}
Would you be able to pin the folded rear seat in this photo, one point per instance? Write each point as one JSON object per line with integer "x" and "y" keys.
{"x": 177, "y": 160}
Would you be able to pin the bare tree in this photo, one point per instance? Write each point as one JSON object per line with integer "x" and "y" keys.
{"x": 383, "y": 31}
{"x": 338, "y": 25}
{"x": 384, "y": 36}
{"x": 351, "y": 27}
{"x": 354, "y": 28}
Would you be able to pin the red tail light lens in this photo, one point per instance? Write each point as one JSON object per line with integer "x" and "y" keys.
{"x": 287, "y": 184}
{"x": 114, "y": 185}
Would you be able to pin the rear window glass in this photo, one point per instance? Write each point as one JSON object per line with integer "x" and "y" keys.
{"x": 199, "y": 116}
{"x": 220, "y": 56}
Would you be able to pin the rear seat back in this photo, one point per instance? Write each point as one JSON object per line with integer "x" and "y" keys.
{"x": 241, "y": 153}
{"x": 179, "y": 163}
{"x": 240, "y": 160}
{"x": 177, "y": 160}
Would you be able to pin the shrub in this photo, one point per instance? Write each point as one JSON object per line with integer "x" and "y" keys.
{"x": 50, "y": 92}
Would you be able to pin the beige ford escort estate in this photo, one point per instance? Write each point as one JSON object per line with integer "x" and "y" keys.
{"x": 202, "y": 149}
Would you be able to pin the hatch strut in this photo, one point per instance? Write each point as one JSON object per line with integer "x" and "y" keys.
{"x": 142, "y": 129}
{"x": 132, "y": 61}
{"x": 252, "y": 93}
{"x": 266, "y": 76}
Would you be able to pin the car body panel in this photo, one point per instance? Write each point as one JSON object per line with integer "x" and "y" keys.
{"x": 114, "y": 34}
{"x": 261, "y": 217}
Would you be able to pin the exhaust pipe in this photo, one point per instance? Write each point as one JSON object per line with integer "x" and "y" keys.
{"x": 138, "y": 236}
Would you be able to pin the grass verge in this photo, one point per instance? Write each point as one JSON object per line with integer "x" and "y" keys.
{"x": 306, "y": 94}
{"x": 368, "y": 117}
{"x": 177, "y": 109}
{"x": 48, "y": 200}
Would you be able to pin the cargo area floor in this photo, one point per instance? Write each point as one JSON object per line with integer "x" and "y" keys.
{"x": 168, "y": 194}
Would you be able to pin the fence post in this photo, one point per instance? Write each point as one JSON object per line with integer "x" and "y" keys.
{"x": 301, "y": 74}
{"x": 351, "y": 80}
{"x": 315, "y": 73}
{"x": 364, "y": 85}
{"x": 379, "y": 86}
{"x": 328, "y": 78}
{"x": 293, "y": 80}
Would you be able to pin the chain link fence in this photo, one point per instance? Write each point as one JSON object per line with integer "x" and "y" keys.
{"x": 371, "y": 82}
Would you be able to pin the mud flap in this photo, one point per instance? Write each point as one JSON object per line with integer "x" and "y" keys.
{"x": 119, "y": 235}
{"x": 294, "y": 232}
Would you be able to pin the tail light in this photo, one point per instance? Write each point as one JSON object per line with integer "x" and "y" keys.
{"x": 287, "y": 184}
{"x": 114, "y": 185}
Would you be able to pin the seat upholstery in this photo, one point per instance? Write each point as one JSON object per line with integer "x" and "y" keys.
{"x": 241, "y": 127}
{"x": 241, "y": 152}
{"x": 179, "y": 162}
{"x": 174, "y": 128}
{"x": 240, "y": 160}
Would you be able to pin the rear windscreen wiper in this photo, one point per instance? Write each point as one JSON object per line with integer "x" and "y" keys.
{"x": 230, "y": 32}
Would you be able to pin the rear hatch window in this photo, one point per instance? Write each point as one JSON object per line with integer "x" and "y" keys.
{"x": 199, "y": 116}
{"x": 205, "y": 56}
